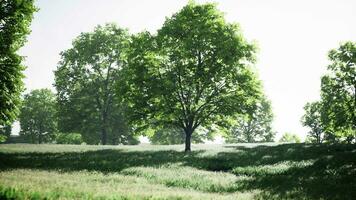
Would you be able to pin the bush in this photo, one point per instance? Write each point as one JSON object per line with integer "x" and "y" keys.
{"x": 69, "y": 138}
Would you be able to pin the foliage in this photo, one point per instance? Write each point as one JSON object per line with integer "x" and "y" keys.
{"x": 2, "y": 138}
{"x": 338, "y": 91}
{"x": 312, "y": 119}
{"x": 69, "y": 138}
{"x": 268, "y": 171}
{"x": 290, "y": 137}
{"x": 335, "y": 114}
{"x": 5, "y": 132}
{"x": 194, "y": 72}
{"x": 15, "y": 18}
{"x": 38, "y": 116}
{"x": 85, "y": 80}
{"x": 255, "y": 126}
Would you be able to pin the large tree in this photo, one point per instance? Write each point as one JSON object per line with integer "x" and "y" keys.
{"x": 255, "y": 126}
{"x": 338, "y": 91}
{"x": 85, "y": 80}
{"x": 15, "y": 18}
{"x": 334, "y": 115}
{"x": 37, "y": 117}
{"x": 194, "y": 72}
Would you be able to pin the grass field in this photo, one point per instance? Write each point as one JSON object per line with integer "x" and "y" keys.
{"x": 265, "y": 171}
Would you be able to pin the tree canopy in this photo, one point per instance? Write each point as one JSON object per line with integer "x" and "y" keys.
{"x": 15, "y": 18}
{"x": 38, "y": 116}
{"x": 194, "y": 72}
{"x": 335, "y": 114}
{"x": 85, "y": 80}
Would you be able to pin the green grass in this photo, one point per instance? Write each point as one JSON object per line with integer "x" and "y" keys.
{"x": 265, "y": 171}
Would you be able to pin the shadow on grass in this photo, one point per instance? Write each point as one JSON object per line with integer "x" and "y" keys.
{"x": 296, "y": 171}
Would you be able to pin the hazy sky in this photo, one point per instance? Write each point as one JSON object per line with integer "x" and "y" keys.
{"x": 293, "y": 36}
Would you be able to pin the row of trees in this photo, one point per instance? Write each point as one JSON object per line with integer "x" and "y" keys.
{"x": 194, "y": 74}
{"x": 333, "y": 118}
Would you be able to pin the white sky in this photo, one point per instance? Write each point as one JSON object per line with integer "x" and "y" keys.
{"x": 293, "y": 36}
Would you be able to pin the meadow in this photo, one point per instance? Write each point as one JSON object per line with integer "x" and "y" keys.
{"x": 236, "y": 171}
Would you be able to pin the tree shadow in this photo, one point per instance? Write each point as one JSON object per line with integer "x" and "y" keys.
{"x": 108, "y": 160}
{"x": 295, "y": 171}
{"x": 287, "y": 171}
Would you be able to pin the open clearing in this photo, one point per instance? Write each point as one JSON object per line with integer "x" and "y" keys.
{"x": 238, "y": 171}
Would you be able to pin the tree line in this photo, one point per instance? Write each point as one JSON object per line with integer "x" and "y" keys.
{"x": 192, "y": 78}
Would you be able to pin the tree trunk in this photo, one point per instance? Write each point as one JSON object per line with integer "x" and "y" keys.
{"x": 188, "y": 136}
{"x": 103, "y": 136}
{"x": 39, "y": 138}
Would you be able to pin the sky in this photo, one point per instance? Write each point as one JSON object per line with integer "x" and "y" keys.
{"x": 293, "y": 36}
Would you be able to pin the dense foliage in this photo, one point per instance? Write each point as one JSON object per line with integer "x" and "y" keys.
{"x": 15, "y": 18}
{"x": 37, "y": 117}
{"x": 335, "y": 115}
{"x": 194, "y": 72}
{"x": 85, "y": 80}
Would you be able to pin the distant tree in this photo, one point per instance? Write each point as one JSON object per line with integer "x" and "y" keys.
{"x": 15, "y": 19}
{"x": 313, "y": 119}
{"x": 338, "y": 92}
{"x": 290, "y": 137}
{"x": 194, "y": 72}
{"x": 85, "y": 80}
{"x": 119, "y": 129}
{"x": 255, "y": 126}
{"x": 38, "y": 116}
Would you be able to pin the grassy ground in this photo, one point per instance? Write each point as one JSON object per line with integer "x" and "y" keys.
{"x": 265, "y": 171}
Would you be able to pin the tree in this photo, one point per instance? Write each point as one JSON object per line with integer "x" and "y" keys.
{"x": 15, "y": 18}
{"x": 338, "y": 92}
{"x": 290, "y": 137}
{"x": 194, "y": 72}
{"x": 255, "y": 126}
{"x": 335, "y": 113}
{"x": 313, "y": 119}
{"x": 37, "y": 117}
{"x": 85, "y": 80}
